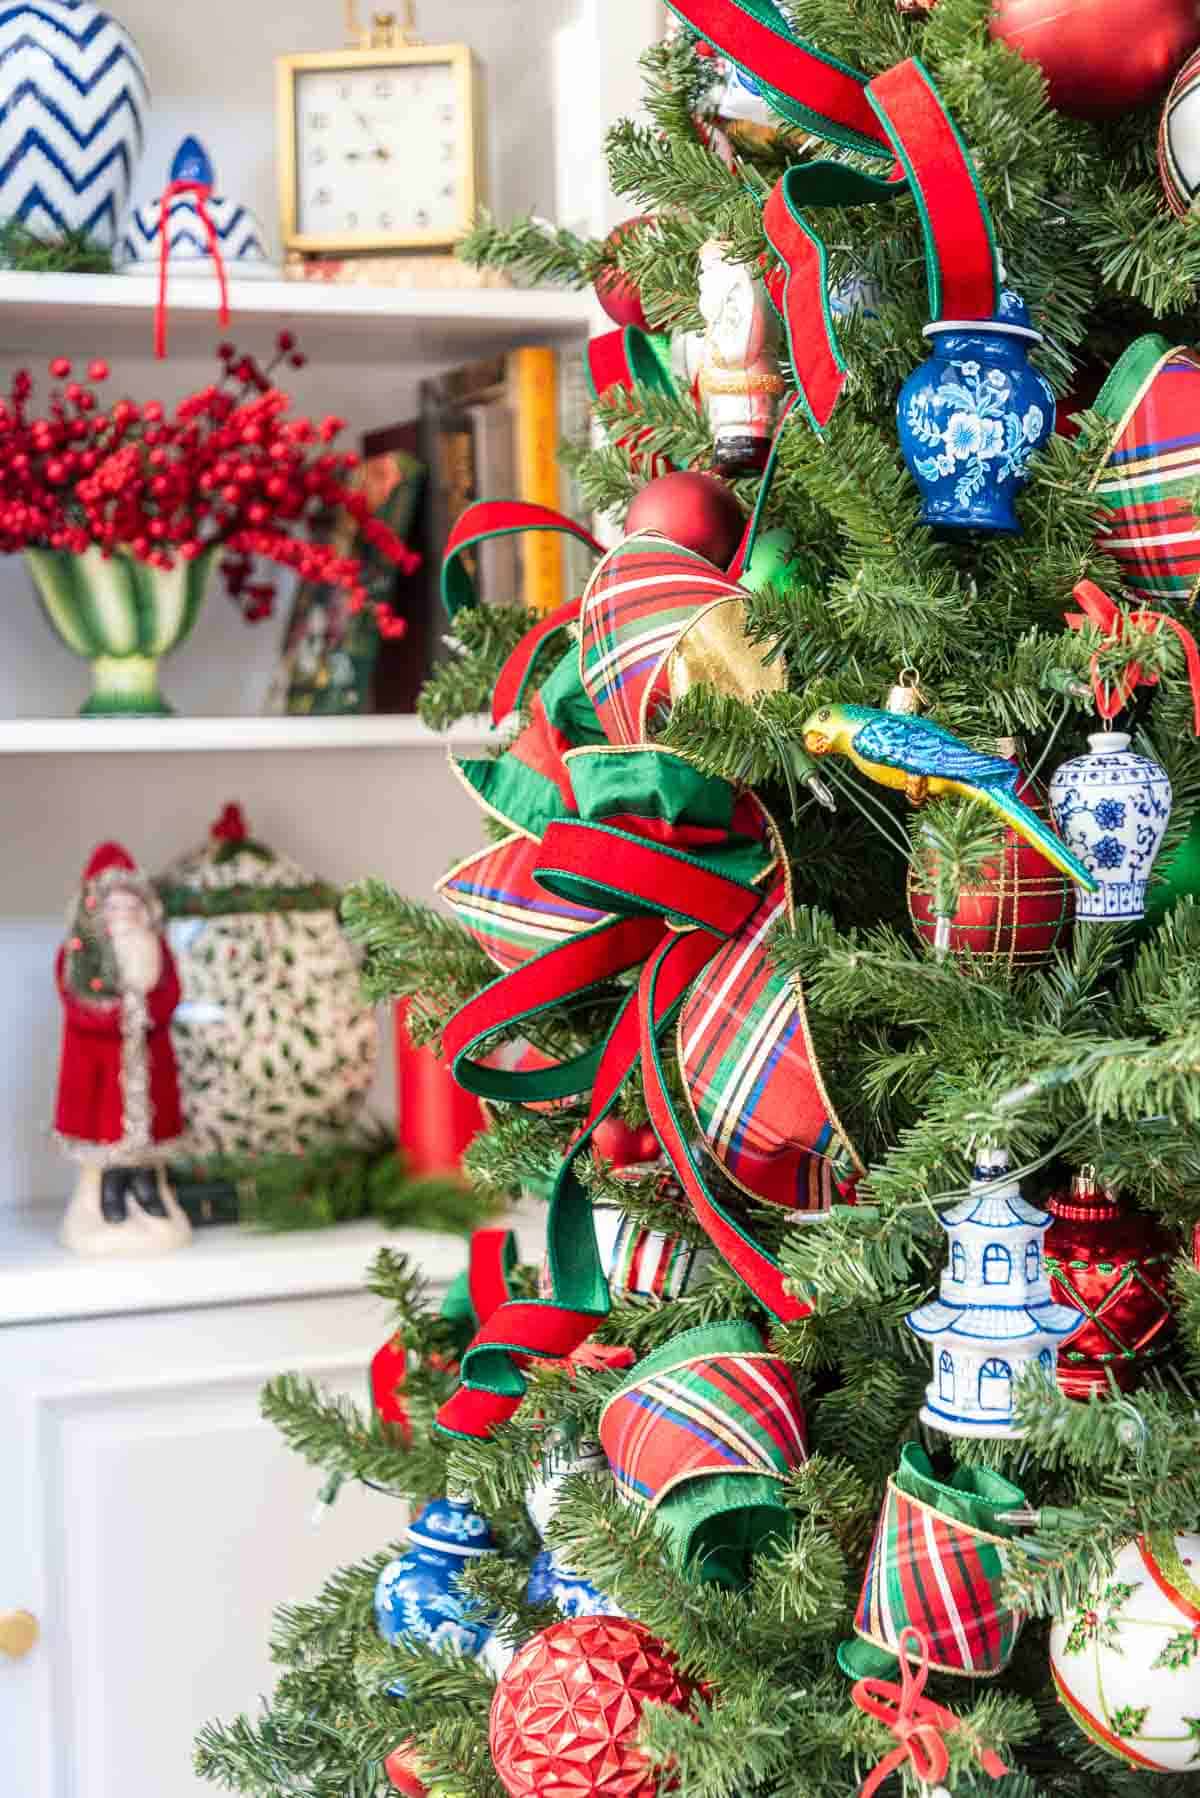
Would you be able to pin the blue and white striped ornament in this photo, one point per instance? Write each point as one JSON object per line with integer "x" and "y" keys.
{"x": 239, "y": 232}
{"x": 73, "y": 106}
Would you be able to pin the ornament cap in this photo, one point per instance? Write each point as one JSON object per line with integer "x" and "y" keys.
{"x": 193, "y": 163}
{"x": 1108, "y": 742}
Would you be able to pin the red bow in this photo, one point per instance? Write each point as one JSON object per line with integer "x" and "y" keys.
{"x": 919, "y": 1726}
{"x": 203, "y": 193}
{"x": 1100, "y": 610}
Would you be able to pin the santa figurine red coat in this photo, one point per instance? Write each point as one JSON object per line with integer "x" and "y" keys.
{"x": 118, "y": 1111}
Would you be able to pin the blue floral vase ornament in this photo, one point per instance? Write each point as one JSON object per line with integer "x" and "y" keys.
{"x": 972, "y": 416}
{"x": 73, "y": 106}
{"x": 1112, "y": 808}
{"x": 418, "y": 1597}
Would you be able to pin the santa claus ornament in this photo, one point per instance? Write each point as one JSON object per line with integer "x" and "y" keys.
{"x": 117, "y": 1113}
{"x": 566, "y": 1714}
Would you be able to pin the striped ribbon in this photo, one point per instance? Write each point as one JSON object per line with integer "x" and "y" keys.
{"x": 900, "y": 119}
{"x": 942, "y": 1576}
{"x": 1146, "y": 486}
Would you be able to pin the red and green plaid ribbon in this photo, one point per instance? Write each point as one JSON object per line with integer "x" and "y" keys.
{"x": 623, "y": 857}
{"x": 703, "y": 1433}
{"x": 899, "y": 118}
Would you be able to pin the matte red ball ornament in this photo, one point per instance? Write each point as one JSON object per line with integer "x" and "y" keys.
{"x": 696, "y": 511}
{"x": 614, "y": 290}
{"x": 1100, "y": 57}
{"x": 1018, "y": 913}
{"x": 1115, "y": 1266}
{"x": 389, "y": 1371}
{"x": 565, "y": 1716}
{"x": 623, "y": 1147}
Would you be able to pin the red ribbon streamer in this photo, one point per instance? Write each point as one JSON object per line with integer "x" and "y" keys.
{"x": 1100, "y": 610}
{"x": 919, "y": 1726}
{"x": 202, "y": 193}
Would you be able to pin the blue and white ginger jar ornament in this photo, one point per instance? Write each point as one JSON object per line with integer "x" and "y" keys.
{"x": 73, "y": 106}
{"x": 550, "y": 1583}
{"x": 418, "y": 1597}
{"x": 994, "y": 1316}
{"x": 971, "y": 418}
{"x": 239, "y": 233}
{"x": 1112, "y": 808}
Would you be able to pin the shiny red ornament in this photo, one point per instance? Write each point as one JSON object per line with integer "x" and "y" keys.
{"x": 1020, "y": 911}
{"x": 1100, "y": 57}
{"x": 565, "y": 1715}
{"x": 402, "y": 1767}
{"x": 1115, "y": 1266}
{"x": 696, "y": 511}
{"x": 614, "y": 290}
{"x": 616, "y": 1143}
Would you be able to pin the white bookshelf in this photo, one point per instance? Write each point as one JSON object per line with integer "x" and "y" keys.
{"x": 163, "y": 736}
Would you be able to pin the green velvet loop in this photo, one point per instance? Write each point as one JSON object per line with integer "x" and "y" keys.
{"x": 973, "y": 1496}
{"x": 458, "y": 1311}
{"x": 645, "y": 783}
{"x": 513, "y": 786}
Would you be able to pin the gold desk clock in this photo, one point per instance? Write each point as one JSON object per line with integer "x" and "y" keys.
{"x": 379, "y": 144}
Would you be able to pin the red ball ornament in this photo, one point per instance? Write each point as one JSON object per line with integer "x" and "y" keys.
{"x": 566, "y": 1713}
{"x": 696, "y": 511}
{"x": 403, "y": 1769}
{"x": 616, "y": 1143}
{"x": 1018, "y": 913}
{"x": 1100, "y": 57}
{"x": 1115, "y": 1266}
{"x": 614, "y": 290}
{"x": 389, "y": 1371}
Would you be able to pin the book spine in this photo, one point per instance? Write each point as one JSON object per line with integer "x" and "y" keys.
{"x": 534, "y": 389}
{"x": 574, "y": 427}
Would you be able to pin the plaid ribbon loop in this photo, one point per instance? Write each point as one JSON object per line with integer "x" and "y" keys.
{"x": 624, "y": 857}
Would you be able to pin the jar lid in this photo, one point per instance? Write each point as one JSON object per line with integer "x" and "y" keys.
{"x": 1108, "y": 742}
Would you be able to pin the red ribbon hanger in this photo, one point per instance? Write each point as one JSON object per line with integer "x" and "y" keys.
{"x": 1100, "y": 610}
{"x": 919, "y": 1726}
{"x": 202, "y": 193}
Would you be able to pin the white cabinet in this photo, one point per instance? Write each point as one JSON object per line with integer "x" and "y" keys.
{"x": 149, "y": 1518}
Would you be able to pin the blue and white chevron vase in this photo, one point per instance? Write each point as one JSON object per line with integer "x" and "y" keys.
{"x": 73, "y": 105}
{"x": 239, "y": 233}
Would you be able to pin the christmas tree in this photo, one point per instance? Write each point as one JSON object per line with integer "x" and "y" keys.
{"x": 863, "y": 1094}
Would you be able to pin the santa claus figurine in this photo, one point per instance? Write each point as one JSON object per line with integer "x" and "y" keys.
{"x": 738, "y": 376}
{"x": 118, "y": 1111}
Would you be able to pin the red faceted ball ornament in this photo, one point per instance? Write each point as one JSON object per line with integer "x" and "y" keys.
{"x": 403, "y": 1769}
{"x": 614, "y": 290}
{"x": 565, "y": 1715}
{"x": 1019, "y": 912}
{"x": 1100, "y": 57}
{"x": 696, "y": 511}
{"x": 1115, "y": 1266}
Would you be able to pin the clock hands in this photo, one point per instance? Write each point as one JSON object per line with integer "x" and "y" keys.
{"x": 379, "y": 151}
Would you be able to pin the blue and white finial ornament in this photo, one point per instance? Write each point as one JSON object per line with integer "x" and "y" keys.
{"x": 970, "y": 419}
{"x": 238, "y": 231}
{"x": 995, "y": 1316}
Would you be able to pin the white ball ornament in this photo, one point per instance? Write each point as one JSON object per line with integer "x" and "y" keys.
{"x": 1127, "y": 1662}
{"x": 1179, "y": 140}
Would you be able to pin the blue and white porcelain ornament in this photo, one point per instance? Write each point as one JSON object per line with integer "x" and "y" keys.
{"x": 971, "y": 417}
{"x": 544, "y": 1494}
{"x": 418, "y": 1597}
{"x": 73, "y": 106}
{"x": 238, "y": 232}
{"x": 995, "y": 1317}
{"x": 1112, "y": 808}
{"x": 550, "y": 1582}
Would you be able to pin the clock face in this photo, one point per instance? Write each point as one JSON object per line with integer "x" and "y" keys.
{"x": 382, "y": 153}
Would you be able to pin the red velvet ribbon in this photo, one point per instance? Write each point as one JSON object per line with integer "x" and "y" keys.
{"x": 499, "y": 518}
{"x": 202, "y": 192}
{"x": 1100, "y": 610}
{"x": 919, "y": 1726}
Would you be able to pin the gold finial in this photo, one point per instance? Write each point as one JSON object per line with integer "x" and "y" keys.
{"x": 387, "y": 30}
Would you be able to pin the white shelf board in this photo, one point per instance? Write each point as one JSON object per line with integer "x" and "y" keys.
{"x": 41, "y": 1282}
{"x": 382, "y": 326}
{"x": 131, "y": 736}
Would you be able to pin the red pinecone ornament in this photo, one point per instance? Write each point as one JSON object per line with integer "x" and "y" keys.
{"x": 1115, "y": 1266}
{"x": 565, "y": 1715}
{"x": 1020, "y": 911}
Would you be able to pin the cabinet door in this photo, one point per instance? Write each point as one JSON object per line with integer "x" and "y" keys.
{"x": 153, "y": 1524}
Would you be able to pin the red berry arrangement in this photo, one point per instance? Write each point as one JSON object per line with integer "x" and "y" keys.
{"x": 231, "y": 466}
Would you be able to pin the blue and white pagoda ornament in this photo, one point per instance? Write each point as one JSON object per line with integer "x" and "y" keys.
{"x": 971, "y": 418}
{"x": 995, "y": 1316}
{"x": 199, "y": 225}
{"x": 418, "y": 1597}
{"x": 73, "y": 107}
{"x": 1112, "y": 808}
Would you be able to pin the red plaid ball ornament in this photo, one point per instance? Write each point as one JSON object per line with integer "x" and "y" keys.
{"x": 565, "y": 1716}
